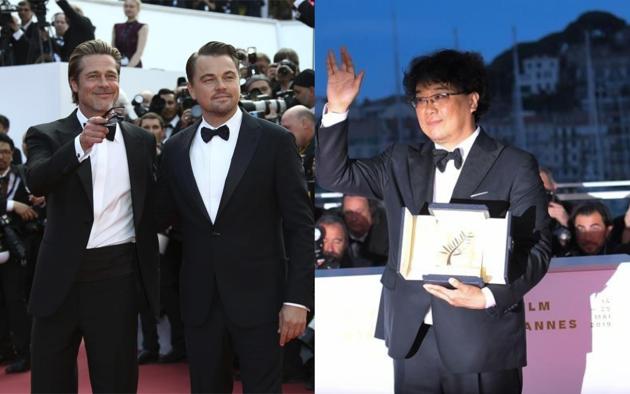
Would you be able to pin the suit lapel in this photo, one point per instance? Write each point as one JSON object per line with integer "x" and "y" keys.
{"x": 71, "y": 127}
{"x": 245, "y": 147}
{"x": 482, "y": 156}
{"x": 421, "y": 173}
{"x": 136, "y": 158}
{"x": 188, "y": 175}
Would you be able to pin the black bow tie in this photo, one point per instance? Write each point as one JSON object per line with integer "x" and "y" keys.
{"x": 111, "y": 133}
{"x": 207, "y": 133}
{"x": 441, "y": 157}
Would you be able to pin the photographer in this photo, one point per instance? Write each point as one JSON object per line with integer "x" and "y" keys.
{"x": 61, "y": 26}
{"x": 285, "y": 73}
{"x": 258, "y": 85}
{"x": 591, "y": 226}
{"x": 300, "y": 121}
{"x": 80, "y": 28}
{"x": 154, "y": 124}
{"x": 165, "y": 104}
{"x": 14, "y": 215}
{"x": 557, "y": 210}
{"x": 24, "y": 38}
{"x": 304, "y": 88}
{"x": 334, "y": 243}
{"x": 4, "y": 129}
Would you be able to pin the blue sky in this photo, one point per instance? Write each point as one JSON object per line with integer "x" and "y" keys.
{"x": 366, "y": 28}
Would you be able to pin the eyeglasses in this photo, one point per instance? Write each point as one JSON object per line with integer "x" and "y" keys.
{"x": 114, "y": 115}
{"x": 435, "y": 99}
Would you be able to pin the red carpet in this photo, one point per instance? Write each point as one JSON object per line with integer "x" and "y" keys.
{"x": 154, "y": 378}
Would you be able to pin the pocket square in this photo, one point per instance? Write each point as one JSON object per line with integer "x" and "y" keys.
{"x": 478, "y": 194}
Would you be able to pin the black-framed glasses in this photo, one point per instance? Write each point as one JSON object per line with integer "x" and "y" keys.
{"x": 435, "y": 99}
{"x": 114, "y": 115}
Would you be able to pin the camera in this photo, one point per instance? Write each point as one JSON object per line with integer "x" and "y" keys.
{"x": 268, "y": 108}
{"x": 185, "y": 101}
{"x": 552, "y": 196}
{"x": 138, "y": 105}
{"x": 6, "y": 9}
{"x": 286, "y": 68}
{"x": 322, "y": 261}
{"x": 252, "y": 58}
{"x": 39, "y": 9}
{"x": 157, "y": 104}
{"x": 12, "y": 241}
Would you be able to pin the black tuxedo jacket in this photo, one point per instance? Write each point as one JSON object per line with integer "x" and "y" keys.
{"x": 26, "y": 49}
{"x": 54, "y": 171}
{"x": 259, "y": 251}
{"x": 402, "y": 176}
{"x": 307, "y": 13}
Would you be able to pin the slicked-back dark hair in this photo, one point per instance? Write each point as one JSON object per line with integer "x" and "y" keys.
{"x": 462, "y": 71}
{"x": 213, "y": 48}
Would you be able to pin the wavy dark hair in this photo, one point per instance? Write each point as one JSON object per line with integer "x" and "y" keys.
{"x": 589, "y": 208}
{"x": 462, "y": 71}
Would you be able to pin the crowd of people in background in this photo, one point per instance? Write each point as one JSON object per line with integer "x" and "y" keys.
{"x": 586, "y": 227}
{"x": 163, "y": 113}
{"x": 355, "y": 234}
{"x": 23, "y": 40}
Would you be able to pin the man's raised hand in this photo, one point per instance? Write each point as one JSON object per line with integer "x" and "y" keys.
{"x": 343, "y": 84}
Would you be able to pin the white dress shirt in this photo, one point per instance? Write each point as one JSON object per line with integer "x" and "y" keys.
{"x": 111, "y": 190}
{"x": 443, "y": 185}
{"x": 22, "y": 30}
{"x": 211, "y": 162}
{"x": 170, "y": 127}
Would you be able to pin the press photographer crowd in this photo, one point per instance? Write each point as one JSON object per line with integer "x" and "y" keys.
{"x": 28, "y": 37}
{"x": 355, "y": 234}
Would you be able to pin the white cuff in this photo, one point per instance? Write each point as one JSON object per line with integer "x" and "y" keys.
{"x": 332, "y": 118}
{"x": 490, "y": 301}
{"x": 10, "y": 205}
{"x": 80, "y": 154}
{"x": 18, "y": 34}
{"x": 298, "y": 305}
{"x": 298, "y": 3}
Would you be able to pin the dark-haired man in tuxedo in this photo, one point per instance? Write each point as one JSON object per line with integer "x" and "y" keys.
{"x": 100, "y": 243}
{"x": 464, "y": 339}
{"x": 234, "y": 183}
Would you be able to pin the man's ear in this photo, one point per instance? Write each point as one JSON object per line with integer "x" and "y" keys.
{"x": 190, "y": 90}
{"x": 474, "y": 101}
{"x": 74, "y": 85}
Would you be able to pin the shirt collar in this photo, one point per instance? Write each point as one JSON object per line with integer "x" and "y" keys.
{"x": 25, "y": 27}
{"x": 234, "y": 123}
{"x": 174, "y": 121}
{"x": 6, "y": 172}
{"x": 82, "y": 118}
{"x": 465, "y": 145}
